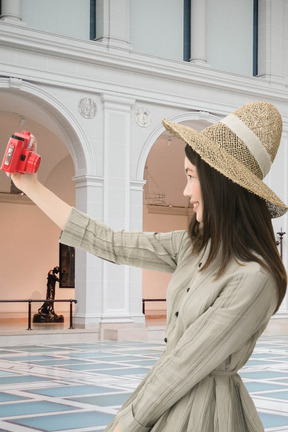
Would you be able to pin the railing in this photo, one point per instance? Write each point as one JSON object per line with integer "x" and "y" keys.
{"x": 29, "y": 301}
{"x": 150, "y": 300}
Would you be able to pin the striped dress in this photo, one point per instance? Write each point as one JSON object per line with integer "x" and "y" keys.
{"x": 212, "y": 328}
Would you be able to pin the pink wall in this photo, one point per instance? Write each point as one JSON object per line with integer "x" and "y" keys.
{"x": 30, "y": 248}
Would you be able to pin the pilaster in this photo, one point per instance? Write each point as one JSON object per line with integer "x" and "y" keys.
{"x": 272, "y": 16}
{"x": 112, "y": 23}
{"x": 118, "y": 281}
{"x": 136, "y": 224}
{"x": 198, "y": 31}
{"x": 89, "y": 269}
{"x": 11, "y": 11}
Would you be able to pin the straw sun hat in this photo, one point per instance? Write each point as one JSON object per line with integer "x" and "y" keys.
{"x": 242, "y": 147}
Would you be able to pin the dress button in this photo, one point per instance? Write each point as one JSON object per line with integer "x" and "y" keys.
{"x": 176, "y": 314}
{"x": 200, "y": 264}
{"x": 188, "y": 289}
{"x": 165, "y": 340}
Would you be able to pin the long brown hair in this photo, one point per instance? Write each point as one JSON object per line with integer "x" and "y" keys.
{"x": 237, "y": 220}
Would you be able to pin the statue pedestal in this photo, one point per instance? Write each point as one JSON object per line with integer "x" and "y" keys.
{"x": 123, "y": 332}
{"x": 47, "y": 318}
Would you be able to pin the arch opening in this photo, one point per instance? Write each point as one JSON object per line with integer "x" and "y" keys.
{"x": 164, "y": 206}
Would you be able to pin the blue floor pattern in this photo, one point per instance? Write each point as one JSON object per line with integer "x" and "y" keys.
{"x": 80, "y": 387}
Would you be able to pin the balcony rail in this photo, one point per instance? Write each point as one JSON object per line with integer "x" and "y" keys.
{"x": 144, "y": 301}
{"x": 29, "y": 301}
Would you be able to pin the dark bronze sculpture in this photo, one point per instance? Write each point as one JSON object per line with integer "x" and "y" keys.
{"x": 46, "y": 313}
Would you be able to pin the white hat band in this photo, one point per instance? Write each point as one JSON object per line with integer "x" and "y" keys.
{"x": 251, "y": 140}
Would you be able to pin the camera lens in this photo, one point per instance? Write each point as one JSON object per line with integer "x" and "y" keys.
{"x": 32, "y": 164}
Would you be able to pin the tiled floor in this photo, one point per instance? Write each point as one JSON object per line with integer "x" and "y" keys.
{"x": 80, "y": 386}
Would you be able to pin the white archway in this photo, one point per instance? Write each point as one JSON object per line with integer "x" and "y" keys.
{"x": 30, "y": 105}
{"x": 17, "y": 95}
{"x": 190, "y": 118}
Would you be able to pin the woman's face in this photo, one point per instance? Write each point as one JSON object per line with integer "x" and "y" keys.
{"x": 193, "y": 190}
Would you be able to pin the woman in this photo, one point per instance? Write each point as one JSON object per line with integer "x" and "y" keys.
{"x": 228, "y": 278}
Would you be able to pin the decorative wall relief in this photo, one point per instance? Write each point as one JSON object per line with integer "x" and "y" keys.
{"x": 87, "y": 108}
{"x": 143, "y": 117}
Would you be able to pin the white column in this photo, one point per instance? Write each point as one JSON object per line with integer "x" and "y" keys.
{"x": 110, "y": 296}
{"x": 112, "y": 23}
{"x": 272, "y": 46}
{"x": 88, "y": 268}
{"x": 136, "y": 224}
{"x": 198, "y": 31}
{"x": 11, "y": 10}
{"x": 117, "y": 114}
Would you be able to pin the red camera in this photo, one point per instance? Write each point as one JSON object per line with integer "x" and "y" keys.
{"x": 19, "y": 156}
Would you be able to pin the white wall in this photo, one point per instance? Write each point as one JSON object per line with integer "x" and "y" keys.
{"x": 65, "y": 17}
{"x": 285, "y": 41}
{"x": 230, "y": 35}
{"x": 156, "y": 27}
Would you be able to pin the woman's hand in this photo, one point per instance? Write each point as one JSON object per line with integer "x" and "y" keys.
{"x": 117, "y": 428}
{"x": 24, "y": 182}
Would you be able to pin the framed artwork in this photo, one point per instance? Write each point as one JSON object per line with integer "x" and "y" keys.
{"x": 67, "y": 266}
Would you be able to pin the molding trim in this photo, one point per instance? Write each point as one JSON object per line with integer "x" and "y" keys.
{"x": 182, "y": 211}
{"x": 6, "y": 197}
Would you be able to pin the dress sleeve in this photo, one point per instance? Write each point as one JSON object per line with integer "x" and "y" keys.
{"x": 244, "y": 305}
{"x": 146, "y": 250}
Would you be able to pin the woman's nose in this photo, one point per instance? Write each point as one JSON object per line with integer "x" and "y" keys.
{"x": 185, "y": 191}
